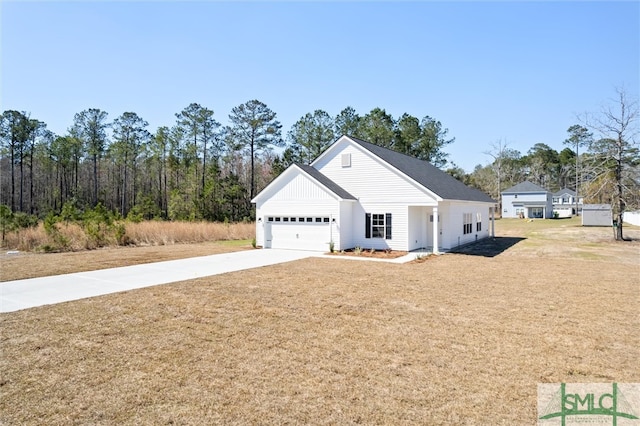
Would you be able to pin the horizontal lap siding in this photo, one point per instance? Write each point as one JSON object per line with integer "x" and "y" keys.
{"x": 399, "y": 230}
{"x": 368, "y": 178}
{"x": 453, "y": 231}
{"x": 344, "y": 239}
{"x": 417, "y": 218}
{"x": 379, "y": 188}
{"x": 509, "y": 210}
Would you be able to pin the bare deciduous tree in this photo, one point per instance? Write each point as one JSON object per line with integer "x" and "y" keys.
{"x": 615, "y": 156}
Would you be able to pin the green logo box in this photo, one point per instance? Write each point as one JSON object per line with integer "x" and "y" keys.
{"x": 565, "y": 404}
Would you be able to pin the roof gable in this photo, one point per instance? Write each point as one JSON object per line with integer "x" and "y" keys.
{"x": 563, "y": 192}
{"x": 327, "y": 184}
{"x": 525, "y": 186}
{"x": 425, "y": 174}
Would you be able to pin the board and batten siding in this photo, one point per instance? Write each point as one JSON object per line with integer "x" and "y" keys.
{"x": 300, "y": 187}
{"x": 297, "y": 196}
{"x": 369, "y": 178}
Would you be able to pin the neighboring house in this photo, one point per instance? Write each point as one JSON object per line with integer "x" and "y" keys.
{"x": 564, "y": 203}
{"x": 356, "y": 194}
{"x": 527, "y": 200}
{"x": 596, "y": 215}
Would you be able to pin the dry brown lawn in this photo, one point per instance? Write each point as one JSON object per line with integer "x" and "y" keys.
{"x": 458, "y": 339}
{"x": 33, "y": 265}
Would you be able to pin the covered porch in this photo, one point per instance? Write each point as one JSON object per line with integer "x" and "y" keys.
{"x": 531, "y": 210}
{"x": 428, "y": 227}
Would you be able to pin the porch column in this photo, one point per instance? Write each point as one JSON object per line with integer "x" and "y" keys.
{"x": 493, "y": 222}
{"x": 436, "y": 231}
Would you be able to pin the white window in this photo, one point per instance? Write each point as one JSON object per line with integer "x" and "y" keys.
{"x": 377, "y": 225}
{"x": 478, "y": 222}
{"x": 467, "y": 223}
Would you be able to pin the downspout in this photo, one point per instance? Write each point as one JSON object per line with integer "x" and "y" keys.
{"x": 493, "y": 221}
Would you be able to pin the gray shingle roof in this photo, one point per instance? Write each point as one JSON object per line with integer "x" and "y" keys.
{"x": 564, "y": 191}
{"x": 596, "y": 207}
{"x": 326, "y": 182}
{"x": 442, "y": 184}
{"x": 525, "y": 186}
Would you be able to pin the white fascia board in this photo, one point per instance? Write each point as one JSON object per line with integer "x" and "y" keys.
{"x": 365, "y": 151}
{"x": 331, "y": 148}
{"x": 293, "y": 169}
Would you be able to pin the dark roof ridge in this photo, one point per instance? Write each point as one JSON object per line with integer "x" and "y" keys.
{"x": 526, "y": 186}
{"x": 426, "y": 174}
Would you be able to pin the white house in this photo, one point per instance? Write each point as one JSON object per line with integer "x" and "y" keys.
{"x": 359, "y": 194}
{"x": 527, "y": 200}
{"x": 564, "y": 203}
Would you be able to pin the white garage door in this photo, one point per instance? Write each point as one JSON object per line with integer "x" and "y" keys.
{"x": 300, "y": 233}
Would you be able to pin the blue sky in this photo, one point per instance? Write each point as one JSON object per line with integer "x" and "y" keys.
{"x": 519, "y": 72}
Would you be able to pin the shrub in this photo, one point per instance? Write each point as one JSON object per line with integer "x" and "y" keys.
{"x": 50, "y": 225}
{"x": 24, "y": 220}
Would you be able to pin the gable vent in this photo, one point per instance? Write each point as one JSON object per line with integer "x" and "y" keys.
{"x": 346, "y": 160}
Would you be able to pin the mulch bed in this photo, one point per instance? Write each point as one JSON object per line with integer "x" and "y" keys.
{"x": 376, "y": 254}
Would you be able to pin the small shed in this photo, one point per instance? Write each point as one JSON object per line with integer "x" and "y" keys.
{"x": 596, "y": 215}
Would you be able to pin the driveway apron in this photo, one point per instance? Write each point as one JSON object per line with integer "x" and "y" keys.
{"x": 23, "y": 294}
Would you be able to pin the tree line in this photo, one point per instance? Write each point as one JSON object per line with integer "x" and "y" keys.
{"x": 600, "y": 161}
{"x": 199, "y": 169}
{"x": 194, "y": 169}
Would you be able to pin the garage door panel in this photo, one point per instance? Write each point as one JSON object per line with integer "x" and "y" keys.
{"x": 310, "y": 236}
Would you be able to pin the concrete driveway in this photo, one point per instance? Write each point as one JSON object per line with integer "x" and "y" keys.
{"x": 23, "y": 294}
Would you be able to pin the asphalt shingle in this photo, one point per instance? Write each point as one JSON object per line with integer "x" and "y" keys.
{"x": 426, "y": 174}
{"x": 326, "y": 182}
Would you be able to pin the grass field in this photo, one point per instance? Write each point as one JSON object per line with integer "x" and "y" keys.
{"x": 456, "y": 339}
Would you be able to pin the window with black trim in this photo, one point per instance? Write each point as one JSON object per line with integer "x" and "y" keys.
{"x": 377, "y": 225}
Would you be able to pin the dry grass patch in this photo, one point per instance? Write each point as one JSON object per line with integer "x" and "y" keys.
{"x": 159, "y": 233}
{"x": 33, "y": 265}
{"x": 73, "y": 237}
{"x": 456, "y": 340}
